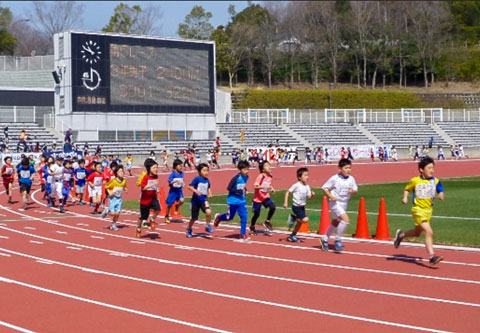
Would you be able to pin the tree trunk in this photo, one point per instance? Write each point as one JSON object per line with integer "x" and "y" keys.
{"x": 298, "y": 71}
{"x": 404, "y": 75}
{"x": 250, "y": 72}
{"x": 384, "y": 78}
{"x": 230, "y": 79}
{"x": 401, "y": 74}
{"x": 374, "y": 78}
{"x": 357, "y": 66}
{"x": 364, "y": 70}
{"x": 425, "y": 76}
{"x": 334, "y": 63}
{"x": 432, "y": 81}
{"x": 269, "y": 78}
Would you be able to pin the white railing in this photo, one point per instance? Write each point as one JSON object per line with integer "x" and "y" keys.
{"x": 24, "y": 114}
{"x": 354, "y": 116}
{"x": 9, "y": 63}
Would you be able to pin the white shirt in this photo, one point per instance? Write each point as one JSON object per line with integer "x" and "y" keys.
{"x": 339, "y": 186}
{"x": 54, "y": 168}
{"x": 300, "y": 193}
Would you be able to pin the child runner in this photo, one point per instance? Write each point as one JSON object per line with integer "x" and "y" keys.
{"x": 300, "y": 192}
{"x": 186, "y": 162}
{"x": 200, "y": 186}
{"x": 263, "y": 187}
{"x": 41, "y": 165}
{"x": 176, "y": 183}
{"x": 80, "y": 176}
{"x": 95, "y": 181}
{"x": 338, "y": 189}
{"x": 68, "y": 177}
{"x": 108, "y": 174}
{"x": 8, "y": 175}
{"x": 128, "y": 163}
{"x": 56, "y": 171}
{"x": 165, "y": 160}
{"x": 148, "y": 197}
{"x": 209, "y": 158}
{"x": 25, "y": 176}
{"x": 424, "y": 188}
{"x": 115, "y": 188}
{"x": 215, "y": 158}
{"x": 237, "y": 203}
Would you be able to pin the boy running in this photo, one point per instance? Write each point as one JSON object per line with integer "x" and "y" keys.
{"x": 95, "y": 182}
{"x": 148, "y": 197}
{"x": 338, "y": 189}
{"x": 8, "y": 175}
{"x": 115, "y": 188}
{"x": 80, "y": 176}
{"x": 424, "y": 188}
{"x": 261, "y": 196}
{"x": 128, "y": 163}
{"x": 176, "y": 183}
{"x": 200, "y": 186}
{"x": 56, "y": 171}
{"x": 25, "y": 176}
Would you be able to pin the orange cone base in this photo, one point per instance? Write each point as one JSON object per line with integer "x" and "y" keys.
{"x": 304, "y": 228}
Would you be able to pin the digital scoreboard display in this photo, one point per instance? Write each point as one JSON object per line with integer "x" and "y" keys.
{"x": 129, "y": 74}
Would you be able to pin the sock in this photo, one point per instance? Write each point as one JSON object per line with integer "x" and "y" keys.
{"x": 96, "y": 207}
{"x": 340, "y": 229}
{"x": 330, "y": 230}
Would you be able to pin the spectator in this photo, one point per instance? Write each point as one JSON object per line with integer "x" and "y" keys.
{"x": 68, "y": 136}
{"x": 37, "y": 147}
{"x": 242, "y": 137}
{"x": 85, "y": 148}
{"x": 217, "y": 143}
{"x": 430, "y": 142}
{"x": 22, "y": 141}
{"x": 67, "y": 147}
{"x": 98, "y": 150}
{"x": 349, "y": 154}
{"x": 5, "y": 133}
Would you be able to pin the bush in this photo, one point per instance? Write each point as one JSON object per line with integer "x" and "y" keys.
{"x": 319, "y": 99}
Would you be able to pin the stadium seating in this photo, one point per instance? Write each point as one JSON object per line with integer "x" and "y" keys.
{"x": 338, "y": 134}
{"x": 27, "y": 79}
{"x": 34, "y": 132}
{"x": 121, "y": 148}
{"x": 201, "y": 145}
{"x": 464, "y": 133}
{"x": 402, "y": 135}
{"x": 258, "y": 135}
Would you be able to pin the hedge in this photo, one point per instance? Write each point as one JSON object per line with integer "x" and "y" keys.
{"x": 319, "y": 99}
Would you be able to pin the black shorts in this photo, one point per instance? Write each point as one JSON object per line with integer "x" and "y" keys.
{"x": 195, "y": 210}
{"x": 299, "y": 212}
{"x": 145, "y": 209}
{"x": 25, "y": 188}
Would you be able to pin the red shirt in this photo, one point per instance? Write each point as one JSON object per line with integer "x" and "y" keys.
{"x": 40, "y": 172}
{"x": 108, "y": 174}
{"x": 7, "y": 173}
{"x": 88, "y": 163}
{"x": 149, "y": 194}
{"x": 95, "y": 178}
{"x": 261, "y": 194}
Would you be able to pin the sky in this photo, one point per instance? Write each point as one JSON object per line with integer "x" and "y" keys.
{"x": 97, "y": 13}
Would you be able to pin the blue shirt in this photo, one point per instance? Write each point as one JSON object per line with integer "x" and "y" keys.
{"x": 177, "y": 186}
{"x": 24, "y": 175}
{"x": 236, "y": 190}
{"x": 80, "y": 176}
{"x": 201, "y": 184}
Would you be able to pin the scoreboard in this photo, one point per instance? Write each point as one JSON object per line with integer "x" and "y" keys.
{"x": 116, "y": 73}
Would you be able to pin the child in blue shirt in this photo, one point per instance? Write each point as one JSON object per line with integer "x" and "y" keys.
{"x": 25, "y": 177}
{"x": 236, "y": 200}
{"x": 200, "y": 186}
{"x": 80, "y": 178}
{"x": 176, "y": 183}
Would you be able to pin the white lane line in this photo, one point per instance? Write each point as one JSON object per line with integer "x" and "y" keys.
{"x": 15, "y": 327}
{"x": 30, "y": 228}
{"x": 111, "y": 306}
{"x": 258, "y": 256}
{"x": 117, "y": 254}
{"x": 136, "y": 242}
{"x": 240, "y": 298}
{"x": 46, "y": 262}
{"x": 83, "y": 224}
{"x": 61, "y": 232}
{"x": 35, "y": 242}
{"x": 73, "y": 248}
{"x": 97, "y": 237}
{"x": 5, "y": 254}
{"x": 3, "y": 237}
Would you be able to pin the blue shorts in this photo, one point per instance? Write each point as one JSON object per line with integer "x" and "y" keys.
{"x": 48, "y": 188}
{"x": 257, "y": 206}
{"x": 115, "y": 204}
{"x": 173, "y": 196}
{"x": 299, "y": 212}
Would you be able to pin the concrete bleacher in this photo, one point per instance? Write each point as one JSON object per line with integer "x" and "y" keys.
{"x": 34, "y": 133}
{"x": 258, "y": 135}
{"x": 201, "y": 145}
{"x": 338, "y": 134}
{"x": 121, "y": 148}
{"x": 402, "y": 135}
{"x": 464, "y": 133}
{"x": 27, "y": 79}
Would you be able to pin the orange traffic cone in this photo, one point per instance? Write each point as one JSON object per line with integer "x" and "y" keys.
{"x": 163, "y": 202}
{"x": 304, "y": 228}
{"x": 324, "y": 218}
{"x": 175, "y": 211}
{"x": 362, "y": 221}
{"x": 382, "y": 232}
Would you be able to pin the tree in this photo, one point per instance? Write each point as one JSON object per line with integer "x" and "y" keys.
{"x": 268, "y": 46}
{"x": 7, "y": 40}
{"x": 220, "y": 38}
{"x": 196, "y": 25}
{"x": 56, "y": 16}
{"x": 30, "y": 40}
{"x": 466, "y": 16}
{"x": 134, "y": 20}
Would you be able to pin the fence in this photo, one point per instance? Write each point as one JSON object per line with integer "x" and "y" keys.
{"x": 8, "y": 63}
{"x": 25, "y": 114}
{"x": 354, "y": 116}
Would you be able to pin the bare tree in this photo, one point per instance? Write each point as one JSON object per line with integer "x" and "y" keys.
{"x": 149, "y": 20}
{"x": 235, "y": 50}
{"x": 30, "y": 41}
{"x": 56, "y": 16}
{"x": 269, "y": 44}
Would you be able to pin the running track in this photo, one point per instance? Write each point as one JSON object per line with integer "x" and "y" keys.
{"x": 70, "y": 273}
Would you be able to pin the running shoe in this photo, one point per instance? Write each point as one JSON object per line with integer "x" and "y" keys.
{"x": 104, "y": 213}
{"x": 252, "y": 230}
{"x": 398, "y": 239}
{"x": 435, "y": 260}
{"x": 293, "y": 239}
{"x": 324, "y": 243}
{"x": 49, "y": 205}
{"x": 244, "y": 238}
{"x": 268, "y": 225}
{"x": 216, "y": 222}
{"x": 145, "y": 225}
{"x": 61, "y": 209}
{"x": 114, "y": 227}
{"x": 208, "y": 228}
{"x": 138, "y": 233}
{"x": 189, "y": 233}
{"x": 10, "y": 200}
{"x": 167, "y": 219}
{"x": 152, "y": 223}
{"x": 338, "y": 245}
{"x": 24, "y": 206}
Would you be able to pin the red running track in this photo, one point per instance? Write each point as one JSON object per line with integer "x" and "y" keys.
{"x": 70, "y": 273}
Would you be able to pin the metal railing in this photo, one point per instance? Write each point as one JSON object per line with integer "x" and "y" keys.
{"x": 25, "y": 114}
{"x": 9, "y": 63}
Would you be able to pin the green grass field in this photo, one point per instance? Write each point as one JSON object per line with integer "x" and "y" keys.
{"x": 456, "y": 220}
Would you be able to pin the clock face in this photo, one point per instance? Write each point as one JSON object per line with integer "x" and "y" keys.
{"x": 90, "y": 52}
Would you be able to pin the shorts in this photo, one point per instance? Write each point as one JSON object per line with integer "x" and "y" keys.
{"x": 115, "y": 204}
{"x": 257, "y": 206}
{"x": 338, "y": 209}
{"x": 128, "y": 166}
{"x": 7, "y": 183}
{"x": 145, "y": 209}
{"x": 195, "y": 209}
{"x": 25, "y": 188}
{"x": 58, "y": 189}
{"x": 421, "y": 215}
{"x": 48, "y": 188}
{"x": 299, "y": 212}
{"x": 173, "y": 196}
{"x": 80, "y": 189}
{"x": 96, "y": 190}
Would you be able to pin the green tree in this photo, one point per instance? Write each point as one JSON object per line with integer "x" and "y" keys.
{"x": 196, "y": 25}
{"x": 466, "y": 16}
{"x": 125, "y": 19}
{"x": 7, "y": 40}
{"x": 221, "y": 49}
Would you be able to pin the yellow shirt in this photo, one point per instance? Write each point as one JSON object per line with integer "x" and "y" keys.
{"x": 128, "y": 159}
{"x": 140, "y": 178}
{"x": 424, "y": 190}
{"x": 116, "y": 186}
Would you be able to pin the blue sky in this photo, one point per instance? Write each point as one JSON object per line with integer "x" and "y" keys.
{"x": 97, "y": 13}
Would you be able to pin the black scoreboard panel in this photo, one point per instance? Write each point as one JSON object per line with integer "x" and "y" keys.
{"x": 128, "y": 74}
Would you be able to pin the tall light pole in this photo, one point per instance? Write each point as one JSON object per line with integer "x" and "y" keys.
{"x": 18, "y": 21}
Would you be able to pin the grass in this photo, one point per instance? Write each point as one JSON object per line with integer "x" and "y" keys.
{"x": 456, "y": 220}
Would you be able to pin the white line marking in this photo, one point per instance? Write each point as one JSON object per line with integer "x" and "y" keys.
{"x": 35, "y": 242}
{"x": 118, "y": 254}
{"x": 246, "y": 299}
{"x": 83, "y": 224}
{"x": 4, "y": 237}
{"x": 61, "y": 232}
{"x": 136, "y": 242}
{"x": 15, "y": 327}
{"x": 74, "y": 248}
{"x": 5, "y": 254}
{"x": 30, "y": 228}
{"x": 46, "y": 262}
{"x": 97, "y": 237}
{"x": 111, "y": 306}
